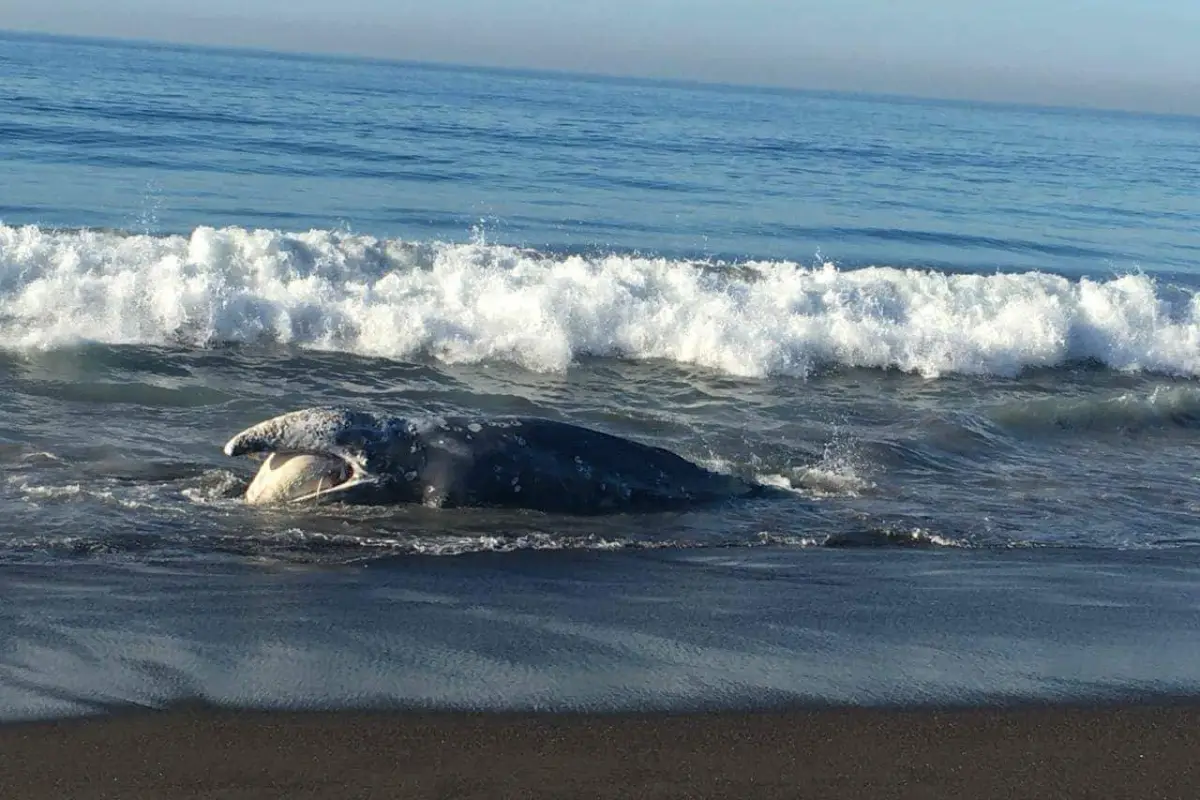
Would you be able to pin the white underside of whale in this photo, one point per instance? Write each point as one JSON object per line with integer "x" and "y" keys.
{"x": 295, "y": 477}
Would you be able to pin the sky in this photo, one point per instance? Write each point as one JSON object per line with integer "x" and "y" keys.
{"x": 1131, "y": 54}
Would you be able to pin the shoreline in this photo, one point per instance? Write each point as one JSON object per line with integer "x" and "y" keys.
{"x": 1136, "y": 748}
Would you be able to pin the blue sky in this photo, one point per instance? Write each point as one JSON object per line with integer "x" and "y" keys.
{"x": 1142, "y": 54}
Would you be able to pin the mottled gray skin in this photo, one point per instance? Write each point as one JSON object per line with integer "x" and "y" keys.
{"x": 511, "y": 462}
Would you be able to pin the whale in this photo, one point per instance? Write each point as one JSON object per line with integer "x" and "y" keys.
{"x": 355, "y": 456}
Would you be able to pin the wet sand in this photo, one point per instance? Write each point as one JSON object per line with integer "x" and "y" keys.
{"x": 1136, "y": 751}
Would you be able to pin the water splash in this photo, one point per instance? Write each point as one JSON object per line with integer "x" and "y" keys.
{"x": 471, "y": 303}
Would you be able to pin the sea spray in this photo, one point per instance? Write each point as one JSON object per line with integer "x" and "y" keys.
{"x": 478, "y": 302}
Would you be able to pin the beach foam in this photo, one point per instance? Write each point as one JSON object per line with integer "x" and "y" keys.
{"x": 470, "y": 303}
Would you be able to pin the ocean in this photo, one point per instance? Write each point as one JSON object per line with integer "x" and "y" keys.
{"x": 961, "y": 341}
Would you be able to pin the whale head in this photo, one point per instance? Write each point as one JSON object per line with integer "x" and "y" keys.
{"x": 314, "y": 454}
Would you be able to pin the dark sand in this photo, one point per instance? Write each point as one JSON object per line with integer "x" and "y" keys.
{"x": 1144, "y": 752}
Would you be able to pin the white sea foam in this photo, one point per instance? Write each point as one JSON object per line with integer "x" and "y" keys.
{"x": 127, "y": 497}
{"x": 474, "y": 302}
{"x": 817, "y": 481}
{"x": 35, "y": 492}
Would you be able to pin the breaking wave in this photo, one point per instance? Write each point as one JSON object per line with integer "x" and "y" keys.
{"x": 468, "y": 303}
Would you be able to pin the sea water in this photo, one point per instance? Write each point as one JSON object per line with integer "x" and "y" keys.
{"x": 963, "y": 339}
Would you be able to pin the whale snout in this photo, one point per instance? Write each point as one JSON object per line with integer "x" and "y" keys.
{"x": 304, "y": 455}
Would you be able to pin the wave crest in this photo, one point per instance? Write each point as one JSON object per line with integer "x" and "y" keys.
{"x": 465, "y": 303}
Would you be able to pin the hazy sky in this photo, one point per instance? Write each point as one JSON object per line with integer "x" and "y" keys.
{"x": 1122, "y": 53}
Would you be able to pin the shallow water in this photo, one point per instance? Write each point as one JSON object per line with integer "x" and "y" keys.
{"x": 118, "y": 452}
{"x": 576, "y": 629}
{"x": 962, "y": 340}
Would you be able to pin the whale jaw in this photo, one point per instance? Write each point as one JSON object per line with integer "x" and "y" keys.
{"x": 298, "y": 477}
{"x": 310, "y": 455}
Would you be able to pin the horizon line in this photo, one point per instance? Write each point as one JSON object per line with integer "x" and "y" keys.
{"x": 560, "y": 72}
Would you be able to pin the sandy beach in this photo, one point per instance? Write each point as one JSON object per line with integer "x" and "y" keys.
{"x": 1134, "y": 751}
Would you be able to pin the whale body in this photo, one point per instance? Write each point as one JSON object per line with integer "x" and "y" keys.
{"x": 333, "y": 454}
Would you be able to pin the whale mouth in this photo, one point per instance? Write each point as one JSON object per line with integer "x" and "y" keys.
{"x": 296, "y": 477}
{"x": 310, "y": 455}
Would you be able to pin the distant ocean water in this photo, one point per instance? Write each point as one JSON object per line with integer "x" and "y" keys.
{"x": 964, "y": 338}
